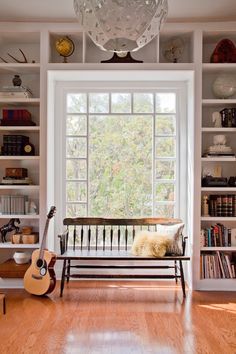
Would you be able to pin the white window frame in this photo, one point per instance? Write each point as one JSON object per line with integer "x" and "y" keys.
{"x": 60, "y": 82}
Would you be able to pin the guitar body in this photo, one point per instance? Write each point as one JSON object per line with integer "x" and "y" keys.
{"x": 36, "y": 283}
{"x": 40, "y": 279}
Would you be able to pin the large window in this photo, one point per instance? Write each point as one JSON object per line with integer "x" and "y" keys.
{"x": 122, "y": 153}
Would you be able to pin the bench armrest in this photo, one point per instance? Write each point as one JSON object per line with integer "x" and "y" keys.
{"x": 184, "y": 244}
{"x": 63, "y": 241}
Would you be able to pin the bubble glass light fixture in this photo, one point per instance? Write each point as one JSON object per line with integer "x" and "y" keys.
{"x": 121, "y": 25}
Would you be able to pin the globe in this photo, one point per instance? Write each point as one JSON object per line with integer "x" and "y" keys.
{"x": 65, "y": 47}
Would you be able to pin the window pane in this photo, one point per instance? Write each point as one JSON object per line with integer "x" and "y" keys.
{"x": 143, "y": 102}
{"x": 76, "y": 147}
{"x": 120, "y": 166}
{"x": 75, "y": 210}
{"x": 165, "y": 169}
{"x": 76, "y": 191}
{"x": 165, "y": 103}
{"x": 165, "y": 192}
{"x": 76, "y": 169}
{"x": 77, "y": 103}
{"x": 121, "y": 103}
{"x": 165, "y": 125}
{"x": 76, "y": 125}
{"x": 99, "y": 103}
{"x": 165, "y": 147}
{"x": 164, "y": 211}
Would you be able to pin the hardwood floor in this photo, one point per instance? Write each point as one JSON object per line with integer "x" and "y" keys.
{"x": 119, "y": 317}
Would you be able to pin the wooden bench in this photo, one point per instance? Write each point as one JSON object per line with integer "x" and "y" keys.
{"x": 109, "y": 241}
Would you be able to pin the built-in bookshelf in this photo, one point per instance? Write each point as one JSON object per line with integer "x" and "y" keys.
{"x": 37, "y": 40}
{"x": 19, "y": 102}
{"x": 217, "y": 222}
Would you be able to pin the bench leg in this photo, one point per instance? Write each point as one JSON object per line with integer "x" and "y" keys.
{"x": 176, "y": 272}
{"x": 4, "y": 305}
{"x": 182, "y": 278}
{"x": 63, "y": 277}
{"x": 68, "y": 272}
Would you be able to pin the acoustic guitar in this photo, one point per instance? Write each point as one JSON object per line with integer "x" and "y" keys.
{"x": 40, "y": 279}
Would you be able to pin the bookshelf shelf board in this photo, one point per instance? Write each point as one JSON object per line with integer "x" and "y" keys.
{"x": 25, "y": 101}
{"x": 23, "y": 216}
{"x": 218, "y": 67}
{"x": 215, "y": 130}
{"x": 15, "y": 245}
{"x": 125, "y": 66}
{"x": 222, "y": 159}
{"x": 218, "y": 189}
{"x": 233, "y": 249}
{"x": 20, "y": 68}
{"x": 217, "y": 284}
{"x": 217, "y": 102}
{"x": 218, "y": 218}
{"x": 19, "y": 157}
{"x": 28, "y": 187}
{"x": 19, "y": 128}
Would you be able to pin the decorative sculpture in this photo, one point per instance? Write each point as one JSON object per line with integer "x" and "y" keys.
{"x": 10, "y": 226}
{"x": 17, "y": 60}
{"x": 216, "y": 119}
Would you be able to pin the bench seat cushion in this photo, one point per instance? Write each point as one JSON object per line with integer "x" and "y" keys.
{"x": 111, "y": 255}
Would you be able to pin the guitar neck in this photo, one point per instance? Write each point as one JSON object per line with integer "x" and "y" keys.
{"x": 43, "y": 243}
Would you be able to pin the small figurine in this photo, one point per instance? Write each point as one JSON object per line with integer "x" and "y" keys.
{"x": 10, "y": 226}
{"x": 205, "y": 205}
{"x": 216, "y": 119}
{"x": 32, "y": 208}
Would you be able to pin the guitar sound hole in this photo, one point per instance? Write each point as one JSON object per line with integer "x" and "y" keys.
{"x": 39, "y": 263}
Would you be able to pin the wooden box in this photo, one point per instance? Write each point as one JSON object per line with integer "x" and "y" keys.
{"x": 30, "y": 239}
{"x": 16, "y": 172}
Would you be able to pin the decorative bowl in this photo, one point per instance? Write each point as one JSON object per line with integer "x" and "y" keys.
{"x": 224, "y": 86}
{"x": 21, "y": 257}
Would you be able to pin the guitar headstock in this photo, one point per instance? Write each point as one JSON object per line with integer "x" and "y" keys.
{"x": 51, "y": 212}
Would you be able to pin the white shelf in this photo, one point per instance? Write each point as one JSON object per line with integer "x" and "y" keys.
{"x": 12, "y": 216}
{"x": 217, "y": 102}
{"x": 20, "y": 68}
{"x": 19, "y": 157}
{"x": 218, "y": 159}
{"x": 23, "y": 101}
{"x": 218, "y": 130}
{"x": 233, "y": 249}
{"x": 217, "y": 284}
{"x": 218, "y": 189}
{"x": 27, "y": 187}
{"x": 218, "y": 218}
{"x": 19, "y": 128}
{"x": 218, "y": 67}
{"x": 15, "y": 245}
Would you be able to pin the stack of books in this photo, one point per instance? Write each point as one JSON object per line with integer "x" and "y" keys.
{"x": 15, "y": 92}
{"x": 11, "y": 117}
{"x": 16, "y": 176}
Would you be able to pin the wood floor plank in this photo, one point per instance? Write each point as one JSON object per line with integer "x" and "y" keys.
{"x": 119, "y": 317}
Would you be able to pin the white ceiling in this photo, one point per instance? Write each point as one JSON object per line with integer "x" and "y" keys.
{"x": 62, "y": 10}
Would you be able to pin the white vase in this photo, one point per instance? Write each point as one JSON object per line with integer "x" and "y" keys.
{"x": 224, "y": 86}
{"x": 21, "y": 257}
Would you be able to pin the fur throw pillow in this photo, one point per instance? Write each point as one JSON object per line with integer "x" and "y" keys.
{"x": 150, "y": 244}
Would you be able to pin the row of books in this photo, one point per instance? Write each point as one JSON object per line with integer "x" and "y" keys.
{"x": 13, "y": 204}
{"x": 216, "y": 236}
{"x": 222, "y": 205}
{"x": 16, "y": 117}
{"x": 217, "y": 265}
{"x": 14, "y": 144}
